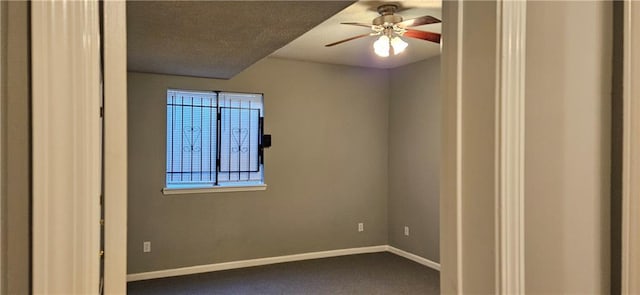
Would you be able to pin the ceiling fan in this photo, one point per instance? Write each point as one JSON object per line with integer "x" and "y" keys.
{"x": 390, "y": 26}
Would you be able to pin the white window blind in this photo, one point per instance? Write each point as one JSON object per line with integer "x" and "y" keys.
{"x": 213, "y": 138}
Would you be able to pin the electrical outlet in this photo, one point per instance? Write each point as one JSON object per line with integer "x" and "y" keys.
{"x": 406, "y": 230}
{"x": 360, "y": 227}
{"x": 146, "y": 246}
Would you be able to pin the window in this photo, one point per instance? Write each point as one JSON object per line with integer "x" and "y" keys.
{"x": 214, "y": 139}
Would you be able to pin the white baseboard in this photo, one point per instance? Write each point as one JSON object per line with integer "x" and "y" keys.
{"x": 251, "y": 262}
{"x": 278, "y": 259}
{"x": 414, "y": 257}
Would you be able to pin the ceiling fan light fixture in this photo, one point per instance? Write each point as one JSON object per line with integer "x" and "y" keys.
{"x": 398, "y": 45}
{"x": 390, "y": 26}
{"x": 382, "y": 46}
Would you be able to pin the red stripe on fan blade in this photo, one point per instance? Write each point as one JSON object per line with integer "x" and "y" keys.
{"x": 418, "y": 21}
{"x": 429, "y": 36}
{"x": 345, "y": 40}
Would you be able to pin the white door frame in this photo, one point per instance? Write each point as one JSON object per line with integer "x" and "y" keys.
{"x": 65, "y": 204}
{"x": 631, "y": 151}
{"x": 510, "y": 144}
{"x": 115, "y": 146}
{"x": 509, "y": 148}
{"x": 66, "y": 146}
{"x": 451, "y": 280}
{"x": 67, "y": 151}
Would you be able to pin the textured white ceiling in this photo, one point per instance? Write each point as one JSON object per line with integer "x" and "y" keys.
{"x": 215, "y": 39}
{"x": 310, "y": 46}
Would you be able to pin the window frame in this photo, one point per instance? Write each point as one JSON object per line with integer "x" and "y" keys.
{"x": 216, "y": 187}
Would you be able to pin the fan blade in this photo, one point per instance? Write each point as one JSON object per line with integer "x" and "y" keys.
{"x": 358, "y": 24}
{"x": 418, "y": 21}
{"x": 348, "y": 39}
{"x": 429, "y": 36}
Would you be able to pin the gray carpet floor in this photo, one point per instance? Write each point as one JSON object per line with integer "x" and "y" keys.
{"x": 376, "y": 273}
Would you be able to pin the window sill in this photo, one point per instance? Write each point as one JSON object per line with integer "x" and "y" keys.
{"x": 217, "y": 189}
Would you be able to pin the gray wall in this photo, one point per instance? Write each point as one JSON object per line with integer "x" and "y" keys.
{"x": 15, "y": 148}
{"x": 478, "y": 148}
{"x": 449, "y": 222}
{"x": 326, "y": 171}
{"x": 568, "y": 109}
{"x": 414, "y": 158}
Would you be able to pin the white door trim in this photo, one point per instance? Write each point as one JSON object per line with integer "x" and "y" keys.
{"x": 66, "y": 146}
{"x": 115, "y": 146}
{"x": 631, "y": 151}
{"x": 509, "y": 148}
{"x": 451, "y": 279}
{"x": 510, "y": 112}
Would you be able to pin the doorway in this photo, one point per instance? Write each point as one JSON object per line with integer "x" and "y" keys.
{"x": 452, "y": 265}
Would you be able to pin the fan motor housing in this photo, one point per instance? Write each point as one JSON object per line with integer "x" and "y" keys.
{"x": 387, "y": 16}
{"x": 386, "y": 19}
